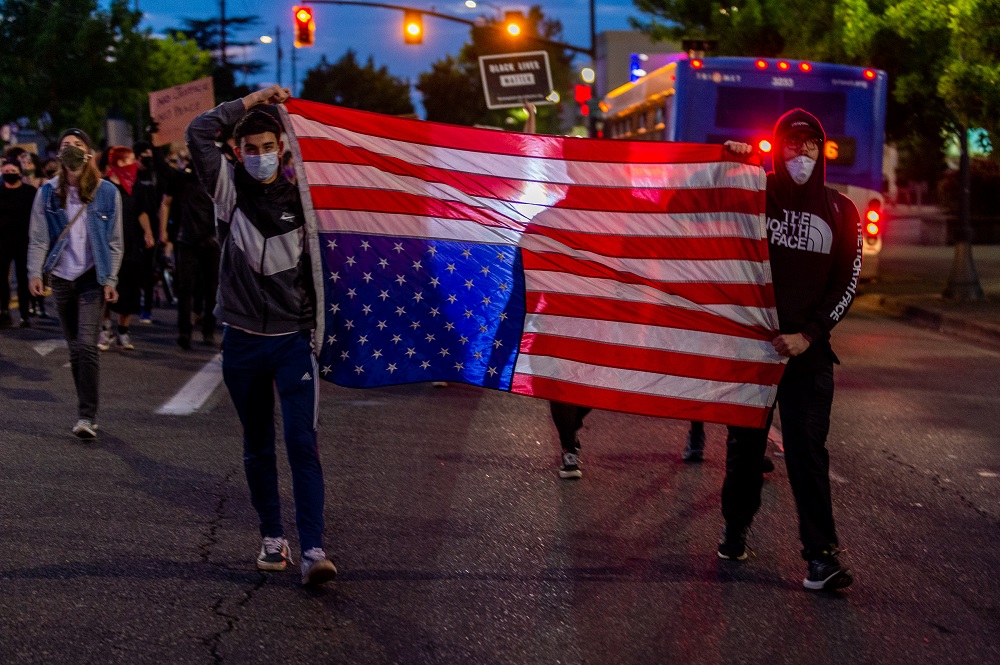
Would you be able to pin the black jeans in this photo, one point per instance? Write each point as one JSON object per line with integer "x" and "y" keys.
{"x": 568, "y": 418}
{"x": 197, "y": 267}
{"x": 14, "y": 250}
{"x": 80, "y": 304}
{"x": 805, "y": 396}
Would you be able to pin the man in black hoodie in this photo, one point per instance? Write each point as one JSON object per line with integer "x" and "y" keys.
{"x": 814, "y": 239}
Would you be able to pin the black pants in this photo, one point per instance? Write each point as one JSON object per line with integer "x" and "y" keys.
{"x": 805, "y": 396}
{"x": 80, "y": 303}
{"x": 197, "y": 267}
{"x": 14, "y": 250}
{"x": 568, "y": 418}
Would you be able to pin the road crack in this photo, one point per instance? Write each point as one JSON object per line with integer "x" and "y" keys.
{"x": 225, "y": 606}
{"x": 938, "y": 482}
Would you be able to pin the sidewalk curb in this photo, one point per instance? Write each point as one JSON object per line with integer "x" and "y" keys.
{"x": 947, "y": 323}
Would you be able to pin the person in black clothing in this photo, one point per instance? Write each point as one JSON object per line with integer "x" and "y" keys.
{"x": 196, "y": 249}
{"x": 137, "y": 236}
{"x": 814, "y": 238}
{"x": 16, "y": 199}
{"x": 148, "y": 193}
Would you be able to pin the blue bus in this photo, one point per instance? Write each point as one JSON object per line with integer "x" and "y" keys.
{"x": 714, "y": 100}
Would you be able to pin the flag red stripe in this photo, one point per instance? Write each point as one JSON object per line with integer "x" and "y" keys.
{"x": 422, "y": 132}
{"x": 702, "y": 293}
{"x": 327, "y": 151}
{"x": 604, "y": 309}
{"x": 646, "y": 247}
{"x": 652, "y": 360}
{"x": 663, "y": 201}
{"x": 630, "y": 402}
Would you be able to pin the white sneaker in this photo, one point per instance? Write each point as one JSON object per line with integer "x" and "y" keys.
{"x": 274, "y": 554}
{"x": 104, "y": 340}
{"x": 316, "y": 568}
{"x": 125, "y": 342}
{"x": 85, "y": 429}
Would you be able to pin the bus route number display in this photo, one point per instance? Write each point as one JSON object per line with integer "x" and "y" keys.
{"x": 511, "y": 79}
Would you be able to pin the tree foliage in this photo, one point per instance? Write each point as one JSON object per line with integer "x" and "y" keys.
{"x": 346, "y": 83}
{"x": 71, "y": 63}
{"x": 453, "y": 89}
{"x": 207, "y": 34}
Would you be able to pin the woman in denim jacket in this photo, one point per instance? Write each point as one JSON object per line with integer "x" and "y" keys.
{"x": 82, "y": 260}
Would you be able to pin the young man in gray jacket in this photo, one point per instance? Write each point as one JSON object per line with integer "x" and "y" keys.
{"x": 268, "y": 305}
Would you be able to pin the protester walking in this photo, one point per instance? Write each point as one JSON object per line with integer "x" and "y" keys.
{"x": 16, "y": 199}
{"x": 195, "y": 250}
{"x": 76, "y": 237}
{"x": 137, "y": 236}
{"x": 814, "y": 238}
{"x": 268, "y": 303}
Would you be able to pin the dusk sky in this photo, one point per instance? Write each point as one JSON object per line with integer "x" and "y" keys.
{"x": 375, "y": 32}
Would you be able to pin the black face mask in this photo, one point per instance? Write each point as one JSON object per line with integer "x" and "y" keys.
{"x": 146, "y": 161}
{"x": 11, "y": 178}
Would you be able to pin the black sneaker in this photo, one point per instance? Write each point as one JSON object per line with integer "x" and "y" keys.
{"x": 695, "y": 449}
{"x": 570, "y": 468}
{"x": 273, "y": 554}
{"x": 733, "y": 546}
{"x": 184, "y": 342}
{"x": 826, "y": 573}
{"x": 767, "y": 466}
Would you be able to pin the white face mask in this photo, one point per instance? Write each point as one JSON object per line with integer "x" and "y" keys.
{"x": 261, "y": 167}
{"x": 800, "y": 168}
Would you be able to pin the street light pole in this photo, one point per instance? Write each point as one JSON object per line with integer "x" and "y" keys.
{"x": 277, "y": 41}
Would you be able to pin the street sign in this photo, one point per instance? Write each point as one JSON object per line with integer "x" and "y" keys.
{"x": 511, "y": 79}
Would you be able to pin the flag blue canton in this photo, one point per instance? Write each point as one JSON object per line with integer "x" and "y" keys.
{"x": 402, "y": 310}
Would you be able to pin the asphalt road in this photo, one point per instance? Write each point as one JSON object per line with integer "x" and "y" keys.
{"x": 457, "y": 543}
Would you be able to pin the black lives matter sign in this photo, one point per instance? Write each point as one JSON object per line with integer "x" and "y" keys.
{"x": 511, "y": 79}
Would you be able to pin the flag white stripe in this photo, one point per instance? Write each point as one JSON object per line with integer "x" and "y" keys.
{"x": 655, "y": 224}
{"x": 644, "y": 383}
{"x": 596, "y": 287}
{"x": 697, "y": 271}
{"x": 413, "y": 226}
{"x": 697, "y": 175}
{"x": 641, "y": 335}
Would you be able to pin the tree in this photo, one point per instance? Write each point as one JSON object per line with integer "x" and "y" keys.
{"x": 345, "y": 83}
{"x": 453, "y": 89}
{"x": 961, "y": 38}
{"x": 208, "y": 35}
{"x": 70, "y": 63}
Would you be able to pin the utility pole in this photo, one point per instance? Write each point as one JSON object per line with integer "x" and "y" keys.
{"x": 293, "y": 70}
{"x": 277, "y": 40}
{"x": 222, "y": 32}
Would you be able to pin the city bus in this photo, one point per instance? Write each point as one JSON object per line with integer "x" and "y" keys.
{"x": 714, "y": 100}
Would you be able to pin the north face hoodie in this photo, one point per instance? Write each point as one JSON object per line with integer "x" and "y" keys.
{"x": 814, "y": 237}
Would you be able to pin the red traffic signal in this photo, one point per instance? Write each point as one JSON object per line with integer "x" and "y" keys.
{"x": 305, "y": 26}
{"x": 582, "y": 93}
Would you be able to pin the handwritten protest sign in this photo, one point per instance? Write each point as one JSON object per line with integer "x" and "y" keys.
{"x": 172, "y": 109}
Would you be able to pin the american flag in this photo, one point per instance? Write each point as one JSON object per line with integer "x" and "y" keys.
{"x": 630, "y": 276}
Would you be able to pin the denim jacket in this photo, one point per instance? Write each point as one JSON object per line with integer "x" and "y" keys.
{"x": 104, "y": 228}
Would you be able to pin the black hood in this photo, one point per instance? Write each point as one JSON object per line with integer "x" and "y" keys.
{"x": 798, "y": 121}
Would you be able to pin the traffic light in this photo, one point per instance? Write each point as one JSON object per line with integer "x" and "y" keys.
{"x": 305, "y": 26}
{"x": 413, "y": 27}
{"x": 513, "y": 23}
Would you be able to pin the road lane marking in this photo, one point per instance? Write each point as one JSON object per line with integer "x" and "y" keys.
{"x": 47, "y": 346}
{"x": 196, "y": 391}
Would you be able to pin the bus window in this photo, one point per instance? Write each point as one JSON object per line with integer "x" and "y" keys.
{"x": 829, "y": 107}
{"x": 746, "y": 108}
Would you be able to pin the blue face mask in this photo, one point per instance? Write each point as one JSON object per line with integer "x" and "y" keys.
{"x": 261, "y": 167}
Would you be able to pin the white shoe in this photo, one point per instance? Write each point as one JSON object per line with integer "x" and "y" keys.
{"x": 85, "y": 429}
{"x": 316, "y": 568}
{"x": 104, "y": 340}
{"x": 125, "y": 342}
{"x": 274, "y": 554}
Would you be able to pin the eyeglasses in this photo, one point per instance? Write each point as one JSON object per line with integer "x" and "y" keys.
{"x": 796, "y": 142}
